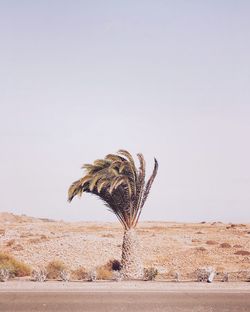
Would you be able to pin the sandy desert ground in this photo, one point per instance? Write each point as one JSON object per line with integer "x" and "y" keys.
{"x": 169, "y": 247}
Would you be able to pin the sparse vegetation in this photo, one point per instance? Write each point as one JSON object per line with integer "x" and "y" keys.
{"x": 194, "y": 240}
{"x": 15, "y": 267}
{"x": 211, "y": 242}
{"x": 108, "y": 235}
{"x": 201, "y": 249}
{"x": 150, "y": 274}
{"x": 103, "y": 273}
{"x": 17, "y": 247}
{"x": 225, "y": 245}
{"x": 237, "y": 246}
{"x": 54, "y": 269}
{"x": 242, "y": 253}
{"x": 10, "y": 243}
{"x": 113, "y": 265}
{"x": 79, "y": 274}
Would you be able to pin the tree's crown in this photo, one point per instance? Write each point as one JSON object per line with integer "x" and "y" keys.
{"x": 117, "y": 181}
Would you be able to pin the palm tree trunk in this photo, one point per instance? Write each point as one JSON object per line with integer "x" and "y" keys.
{"x": 131, "y": 262}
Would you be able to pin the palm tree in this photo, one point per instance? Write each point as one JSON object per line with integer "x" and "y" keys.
{"x": 116, "y": 180}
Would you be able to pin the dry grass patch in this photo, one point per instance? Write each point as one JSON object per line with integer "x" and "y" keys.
{"x": 16, "y": 267}
{"x": 37, "y": 240}
{"x": 55, "y": 268}
{"x": 79, "y": 274}
{"x": 105, "y": 272}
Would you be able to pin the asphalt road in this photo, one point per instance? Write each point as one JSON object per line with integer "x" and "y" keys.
{"x": 124, "y": 301}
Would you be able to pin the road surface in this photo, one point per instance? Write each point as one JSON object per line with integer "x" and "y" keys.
{"x": 103, "y": 301}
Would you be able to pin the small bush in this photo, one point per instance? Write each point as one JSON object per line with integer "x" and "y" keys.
{"x": 201, "y": 249}
{"x": 113, "y": 265}
{"x": 15, "y": 267}
{"x": 242, "y": 253}
{"x": 79, "y": 274}
{"x": 18, "y": 247}
{"x": 10, "y": 243}
{"x": 108, "y": 235}
{"x": 103, "y": 273}
{"x": 237, "y": 246}
{"x": 211, "y": 242}
{"x": 150, "y": 274}
{"x": 225, "y": 245}
{"x": 35, "y": 240}
{"x": 54, "y": 269}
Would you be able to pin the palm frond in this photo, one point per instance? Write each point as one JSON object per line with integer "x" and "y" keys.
{"x": 147, "y": 189}
{"x": 118, "y": 183}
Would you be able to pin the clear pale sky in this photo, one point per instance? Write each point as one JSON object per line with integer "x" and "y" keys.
{"x": 170, "y": 79}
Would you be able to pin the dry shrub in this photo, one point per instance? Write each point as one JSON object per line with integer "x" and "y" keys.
{"x": 34, "y": 240}
{"x": 10, "y": 243}
{"x": 225, "y": 245}
{"x": 15, "y": 267}
{"x": 237, "y": 246}
{"x": 199, "y": 232}
{"x": 113, "y": 265}
{"x": 109, "y": 235}
{"x": 201, "y": 249}
{"x": 2, "y": 231}
{"x": 18, "y": 247}
{"x": 79, "y": 274}
{"x": 211, "y": 242}
{"x": 150, "y": 274}
{"x": 54, "y": 269}
{"x": 103, "y": 273}
{"x": 242, "y": 253}
{"x": 196, "y": 240}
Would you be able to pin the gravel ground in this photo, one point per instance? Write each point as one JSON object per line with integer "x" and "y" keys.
{"x": 169, "y": 247}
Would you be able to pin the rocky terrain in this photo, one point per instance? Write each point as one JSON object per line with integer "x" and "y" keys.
{"x": 169, "y": 247}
